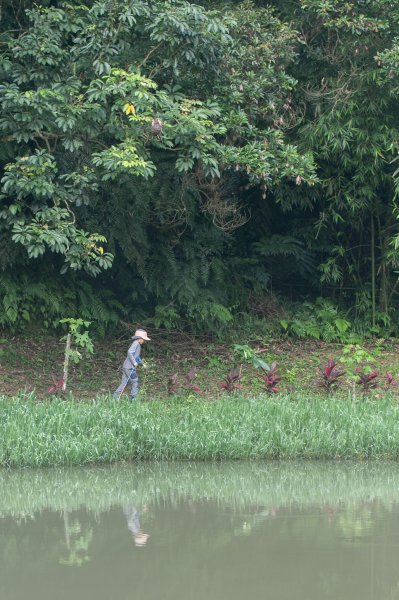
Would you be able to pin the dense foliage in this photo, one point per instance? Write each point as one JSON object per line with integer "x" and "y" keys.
{"x": 176, "y": 161}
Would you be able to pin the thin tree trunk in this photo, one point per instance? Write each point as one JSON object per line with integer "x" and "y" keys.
{"x": 66, "y": 361}
{"x": 383, "y": 271}
{"x": 372, "y": 270}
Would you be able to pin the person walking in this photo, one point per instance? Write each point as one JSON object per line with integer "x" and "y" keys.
{"x": 129, "y": 368}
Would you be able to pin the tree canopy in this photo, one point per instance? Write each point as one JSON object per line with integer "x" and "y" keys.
{"x": 172, "y": 160}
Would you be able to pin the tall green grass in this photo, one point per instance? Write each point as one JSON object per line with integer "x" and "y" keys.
{"x": 66, "y": 432}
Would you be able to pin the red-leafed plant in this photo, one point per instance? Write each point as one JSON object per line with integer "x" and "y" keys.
{"x": 390, "y": 381}
{"x": 189, "y": 379}
{"x": 329, "y": 376}
{"x": 174, "y": 385}
{"x": 271, "y": 379}
{"x": 57, "y": 384}
{"x": 368, "y": 381}
{"x": 231, "y": 381}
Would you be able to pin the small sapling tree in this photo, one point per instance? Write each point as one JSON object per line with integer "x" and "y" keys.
{"x": 77, "y": 338}
{"x": 354, "y": 355}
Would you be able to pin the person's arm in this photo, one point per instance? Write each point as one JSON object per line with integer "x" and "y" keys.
{"x": 131, "y": 355}
{"x": 137, "y": 355}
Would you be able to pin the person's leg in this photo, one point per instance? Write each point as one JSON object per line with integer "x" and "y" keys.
{"x": 125, "y": 378}
{"x": 135, "y": 386}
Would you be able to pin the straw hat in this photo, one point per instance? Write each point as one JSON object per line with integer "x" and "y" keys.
{"x": 141, "y": 334}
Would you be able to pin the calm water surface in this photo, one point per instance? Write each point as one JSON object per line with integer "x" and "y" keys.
{"x": 231, "y": 531}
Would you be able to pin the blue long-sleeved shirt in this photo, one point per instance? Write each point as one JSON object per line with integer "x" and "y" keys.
{"x": 133, "y": 356}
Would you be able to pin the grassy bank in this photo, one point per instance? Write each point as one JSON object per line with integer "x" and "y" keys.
{"x": 285, "y": 427}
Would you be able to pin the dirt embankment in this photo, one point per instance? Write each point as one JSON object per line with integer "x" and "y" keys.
{"x": 30, "y": 362}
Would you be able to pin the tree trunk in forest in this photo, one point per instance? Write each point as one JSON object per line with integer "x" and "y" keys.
{"x": 373, "y": 295}
{"x": 386, "y": 285}
{"x": 66, "y": 361}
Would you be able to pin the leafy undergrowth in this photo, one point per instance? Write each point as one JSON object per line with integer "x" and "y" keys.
{"x": 32, "y": 363}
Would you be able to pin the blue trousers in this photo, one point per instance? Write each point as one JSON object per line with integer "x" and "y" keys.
{"x": 129, "y": 377}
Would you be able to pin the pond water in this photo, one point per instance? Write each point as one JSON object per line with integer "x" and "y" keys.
{"x": 277, "y": 531}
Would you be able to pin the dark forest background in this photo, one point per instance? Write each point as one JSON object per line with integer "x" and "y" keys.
{"x": 199, "y": 165}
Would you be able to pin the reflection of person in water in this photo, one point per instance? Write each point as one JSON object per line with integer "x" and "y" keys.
{"x": 133, "y": 524}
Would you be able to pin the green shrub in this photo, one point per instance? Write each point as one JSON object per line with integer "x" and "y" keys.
{"x": 320, "y": 320}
